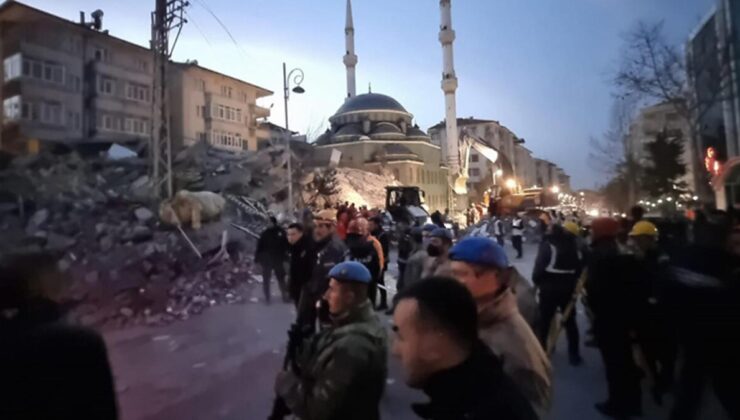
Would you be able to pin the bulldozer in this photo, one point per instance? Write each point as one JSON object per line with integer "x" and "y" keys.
{"x": 406, "y": 206}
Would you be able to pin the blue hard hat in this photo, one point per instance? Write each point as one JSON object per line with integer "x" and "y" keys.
{"x": 350, "y": 271}
{"x": 481, "y": 251}
{"x": 441, "y": 233}
{"x": 429, "y": 227}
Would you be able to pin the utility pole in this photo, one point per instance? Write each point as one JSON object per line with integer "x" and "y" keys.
{"x": 168, "y": 15}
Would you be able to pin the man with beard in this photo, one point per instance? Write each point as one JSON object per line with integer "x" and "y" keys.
{"x": 329, "y": 252}
{"x": 341, "y": 372}
{"x": 438, "y": 249}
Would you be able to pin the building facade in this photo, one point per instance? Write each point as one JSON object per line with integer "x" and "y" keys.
{"x": 73, "y": 83}
{"x": 514, "y": 160}
{"x": 656, "y": 119}
{"x": 714, "y": 76}
{"x": 70, "y": 82}
{"x": 206, "y": 105}
{"x": 374, "y": 132}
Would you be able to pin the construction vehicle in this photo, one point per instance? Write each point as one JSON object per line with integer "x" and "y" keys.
{"x": 406, "y": 206}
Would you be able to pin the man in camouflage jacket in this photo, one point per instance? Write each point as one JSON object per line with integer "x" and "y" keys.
{"x": 340, "y": 373}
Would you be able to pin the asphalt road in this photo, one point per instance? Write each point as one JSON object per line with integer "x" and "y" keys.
{"x": 222, "y": 365}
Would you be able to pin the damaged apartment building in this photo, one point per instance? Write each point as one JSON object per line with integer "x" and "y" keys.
{"x": 72, "y": 83}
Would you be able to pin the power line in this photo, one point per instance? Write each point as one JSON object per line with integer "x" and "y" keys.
{"x": 223, "y": 26}
{"x": 197, "y": 27}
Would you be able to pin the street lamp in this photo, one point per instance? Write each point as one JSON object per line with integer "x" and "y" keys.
{"x": 555, "y": 189}
{"x": 297, "y": 80}
{"x": 511, "y": 183}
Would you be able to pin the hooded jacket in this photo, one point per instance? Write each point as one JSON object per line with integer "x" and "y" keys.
{"x": 503, "y": 329}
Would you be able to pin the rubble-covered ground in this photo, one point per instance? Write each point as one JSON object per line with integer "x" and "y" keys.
{"x": 122, "y": 265}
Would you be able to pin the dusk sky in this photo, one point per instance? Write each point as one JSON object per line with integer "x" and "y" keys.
{"x": 540, "y": 67}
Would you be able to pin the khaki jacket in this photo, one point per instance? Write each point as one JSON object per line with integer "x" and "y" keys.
{"x": 508, "y": 335}
{"x": 437, "y": 266}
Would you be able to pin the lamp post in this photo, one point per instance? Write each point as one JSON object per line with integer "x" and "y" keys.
{"x": 297, "y": 80}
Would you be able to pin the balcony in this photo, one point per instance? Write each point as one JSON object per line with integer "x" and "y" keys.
{"x": 258, "y": 111}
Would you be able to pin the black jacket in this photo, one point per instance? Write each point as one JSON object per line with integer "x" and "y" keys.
{"x": 272, "y": 246}
{"x": 558, "y": 262}
{"x": 302, "y": 258}
{"x": 49, "y": 370}
{"x": 382, "y": 237}
{"x": 329, "y": 253}
{"x": 477, "y": 389}
{"x": 609, "y": 283}
{"x": 363, "y": 251}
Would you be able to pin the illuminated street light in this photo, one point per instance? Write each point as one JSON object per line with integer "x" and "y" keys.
{"x": 555, "y": 189}
{"x": 582, "y": 193}
{"x": 660, "y": 201}
{"x": 669, "y": 199}
{"x": 499, "y": 172}
{"x": 695, "y": 197}
{"x": 511, "y": 183}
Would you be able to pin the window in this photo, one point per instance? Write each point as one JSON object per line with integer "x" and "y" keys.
{"x": 105, "y": 85}
{"x": 12, "y": 67}
{"x": 228, "y": 92}
{"x": 137, "y": 92}
{"x": 37, "y": 69}
{"x": 200, "y": 84}
{"x": 101, "y": 54}
{"x": 223, "y": 90}
{"x": 474, "y": 157}
{"x": 57, "y": 73}
{"x": 73, "y": 120}
{"x": 221, "y": 112}
{"x": 107, "y": 122}
{"x": 12, "y": 108}
{"x": 239, "y": 115}
{"x": 51, "y": 113}
{"x": 73, "y": 82}
{"x": 142, "y": 64}
{"x": 27, "y": 111}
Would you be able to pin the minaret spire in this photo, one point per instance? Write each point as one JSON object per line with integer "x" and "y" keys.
{"x": 451, "y": 149}
{"x": 350, "y": 59}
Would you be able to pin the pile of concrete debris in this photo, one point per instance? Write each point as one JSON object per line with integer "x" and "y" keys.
{"x": 124, "y": 266}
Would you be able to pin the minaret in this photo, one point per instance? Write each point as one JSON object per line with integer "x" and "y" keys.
{"x": 350, "y": 59}
{"x": 450, "y": 149}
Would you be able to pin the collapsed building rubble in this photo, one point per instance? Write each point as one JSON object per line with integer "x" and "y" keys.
{"x": 123, "y": 264}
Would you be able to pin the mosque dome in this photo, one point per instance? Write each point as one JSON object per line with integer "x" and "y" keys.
{"x": 370, "y": 102}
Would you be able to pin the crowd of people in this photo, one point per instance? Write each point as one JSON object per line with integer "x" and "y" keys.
{"x": 668, "y": 316}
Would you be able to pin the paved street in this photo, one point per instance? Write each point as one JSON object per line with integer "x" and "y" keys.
{"x": 221, "y": 365}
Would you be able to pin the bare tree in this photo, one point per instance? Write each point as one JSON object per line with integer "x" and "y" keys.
{"x": 613, "y": 154}
{"x": 654, "y": 70}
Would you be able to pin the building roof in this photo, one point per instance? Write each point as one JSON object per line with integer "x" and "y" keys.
{"x": 194, "y": 64}
{"x": 8, "y": 4}
{"x": 397, "y": 149}
{"x": 463, "y": 122}
{"x": 370, "y": 101}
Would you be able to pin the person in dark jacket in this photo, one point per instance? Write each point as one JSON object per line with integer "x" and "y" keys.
{"x": 361, "y": 248}
{"x": 376, "y": 230}
{"x": 436, "y": 328}
{"x": 704, "y": 301}
{"x": 302, "y": 258}
{"x": 609, "y": 273}
{"x": 329, "y": 252}
{"x": 272, "y": 248}
{"x": 48, "y": 370}
{"x": 556, "y": 271}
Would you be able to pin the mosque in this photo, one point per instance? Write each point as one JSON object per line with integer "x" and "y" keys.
{"x": 374, "y": 132}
